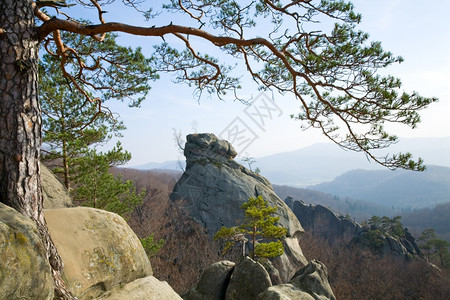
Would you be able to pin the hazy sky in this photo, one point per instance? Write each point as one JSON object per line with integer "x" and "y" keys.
{"x": 419, "y": 31}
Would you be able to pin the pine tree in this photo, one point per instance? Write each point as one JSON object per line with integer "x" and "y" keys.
{"x": 434, "y": 249}
{"x": 259, "y": 226}
{"x": 151, "y": 246}
{"x": 424, "y": 242}
{"x": 96, "y": 187}
{"x": 73, "y": 121}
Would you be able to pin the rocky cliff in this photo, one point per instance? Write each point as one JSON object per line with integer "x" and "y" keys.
{"x": 214, "y": 186}
{"x": 323, "y": 222}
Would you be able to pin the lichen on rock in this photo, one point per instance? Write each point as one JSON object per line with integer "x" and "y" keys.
{"x": 24, "y": 269}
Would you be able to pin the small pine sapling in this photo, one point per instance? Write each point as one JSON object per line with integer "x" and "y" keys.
{"x": 259, "y": 227}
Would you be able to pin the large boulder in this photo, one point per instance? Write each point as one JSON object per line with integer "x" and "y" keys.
{"x": 98, "y": 248}
{"x": 311, "y": 282}
{"x": 214, "y": 186}
{"x": 248, "y": 280}
{"x": 213, "y": 282}
{"x": 147, "y": 288}
{"x": 55, "y": 194}
{"x": 313, "y": 279}
{"x": 24, "y": 269}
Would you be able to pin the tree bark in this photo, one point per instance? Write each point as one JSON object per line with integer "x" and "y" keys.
{"x": 20, "y": 124}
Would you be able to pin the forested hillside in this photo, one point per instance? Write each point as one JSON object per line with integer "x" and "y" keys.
{"x": 437, "y": 218}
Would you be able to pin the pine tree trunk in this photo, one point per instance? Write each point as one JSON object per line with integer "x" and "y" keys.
{"x": 65, "y": 166}
{"x": 20, "y": 123}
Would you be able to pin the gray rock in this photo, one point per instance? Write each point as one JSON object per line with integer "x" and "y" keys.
{"x": 410, "y": 243}
{"x": 274, "y": 274}
{"x": 215, "y": 148}
{"x": 323, "y": 222}
{"x": 213, "y": 282}
{"x": 55, "y": 194}
{"x": 313, "y": 279}
{"x": 24, "y": 269}
{"x": 397, "y": 247}
{"x": 311, "y": 282}
{"x": 249, "y": 279}
{"x": 98, "y": 248}
{"x": 214, "y": 186}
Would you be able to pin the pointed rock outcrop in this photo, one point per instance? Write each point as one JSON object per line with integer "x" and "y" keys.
{"x": 214, "y": 186}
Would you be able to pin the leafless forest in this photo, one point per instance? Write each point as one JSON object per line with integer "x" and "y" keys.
{"x": 353, "y": 273}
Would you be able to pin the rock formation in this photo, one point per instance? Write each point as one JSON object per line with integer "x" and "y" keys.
{"x": 311, "y": 282}
{"x": 323, "y": 222}
{"x": 214, "y": 186}
{"x": 55, "y": 194}
{"x": 103, "y": 257}
{"x": 213, "y": 282}
{"x": 249, "y": 280}
{"x": 147, "y": 288}
{"x": 98, "y": 248}
{"x": 24, "y": 269}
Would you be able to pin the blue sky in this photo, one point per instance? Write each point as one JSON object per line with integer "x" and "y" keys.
{"x": 419, "y": 31}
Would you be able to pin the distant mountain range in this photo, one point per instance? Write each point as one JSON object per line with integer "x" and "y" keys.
{"x": 399, "y": 190}
{"x": 359, "y": 210}
{"x": 323, "y": 162}
{"x": 168, "y": 165}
